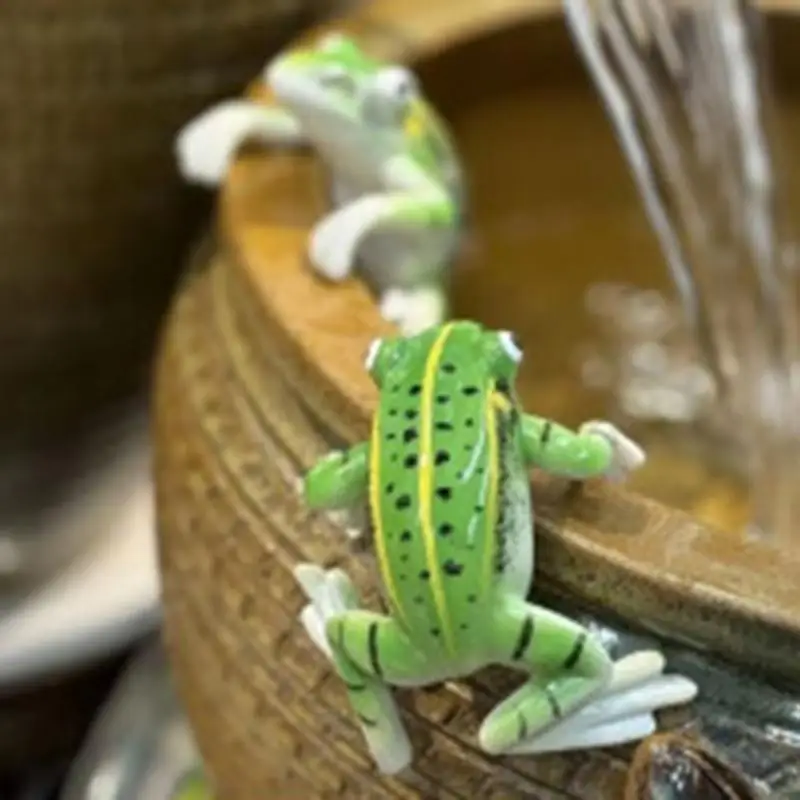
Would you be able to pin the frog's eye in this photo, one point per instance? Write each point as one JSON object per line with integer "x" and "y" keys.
{"x": 382, "y": 357}
{"x": 337, "y": 77}
{"x": 510, "y": 346}
{"x": 396, "y": 83}
{"x": 371, "y": 358}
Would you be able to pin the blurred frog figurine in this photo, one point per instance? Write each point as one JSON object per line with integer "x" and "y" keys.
{"x": 396, "y": 181}
{"x": 445, "y": 475}
{"x": 193, "y": 786}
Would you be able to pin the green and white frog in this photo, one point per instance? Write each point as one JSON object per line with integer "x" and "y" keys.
{"x": 396, "y": 181}
{"x": 445, "y": 477}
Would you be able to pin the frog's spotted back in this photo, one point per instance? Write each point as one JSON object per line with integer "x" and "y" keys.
{"x": 435, "y": 482}
{"x": 446, "y": 472}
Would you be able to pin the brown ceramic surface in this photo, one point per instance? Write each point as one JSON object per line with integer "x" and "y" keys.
{"x": 261, "y": 371}
{"x": 271, "y": 717}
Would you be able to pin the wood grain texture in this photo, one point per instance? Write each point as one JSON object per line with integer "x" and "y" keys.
{"x": 260, "y": 372}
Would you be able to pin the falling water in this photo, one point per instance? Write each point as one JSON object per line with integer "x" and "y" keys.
{"x": 684, "y": 87}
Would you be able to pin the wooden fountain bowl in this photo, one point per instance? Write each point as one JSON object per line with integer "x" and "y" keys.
{"x": 261, "y": 372}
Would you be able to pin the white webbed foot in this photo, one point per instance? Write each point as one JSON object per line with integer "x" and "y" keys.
{"x": 622, "y": 713}
{"x": 206, "y": 146}
{"x": 393, "y": 305}
{"x": 413, "y": 310}
{"x": 332, "y": 593}
{"x": 628, "y": 456}
{"x": 335, "y": 239}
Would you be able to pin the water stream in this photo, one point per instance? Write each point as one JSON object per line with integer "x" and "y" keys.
{"x": 687, "y": 91}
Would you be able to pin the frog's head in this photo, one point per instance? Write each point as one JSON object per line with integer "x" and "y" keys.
{"x": 334, "y": 85}
{"x": 494, "y": 353}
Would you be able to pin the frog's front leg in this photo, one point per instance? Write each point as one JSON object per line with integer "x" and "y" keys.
{"x": 410, "y": 199}
{"x": 567, "y": 668}
{"x": 205, "y": 147}
{"x": 598, "y": 449}
{"x": 339, "y": 480}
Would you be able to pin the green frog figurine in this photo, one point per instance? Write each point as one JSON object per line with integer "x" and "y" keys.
{"x": 396, "y": 181}
{"x": 445, "y": 477}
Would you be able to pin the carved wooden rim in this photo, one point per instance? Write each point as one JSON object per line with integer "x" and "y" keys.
{"x": 647, "y": 563}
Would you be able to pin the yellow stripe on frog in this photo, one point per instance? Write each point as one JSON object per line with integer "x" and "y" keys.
{"x": 499, "y": 401}
{"x": 416, "y": 120}
{"x": 495, "y": 403}
{"x": 426, "y": 485}
{"x": 378, "y": 533}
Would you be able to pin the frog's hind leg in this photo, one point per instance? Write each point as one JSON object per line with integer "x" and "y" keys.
{"x": 567, "y": 668}
{"x": 370, "y": 651}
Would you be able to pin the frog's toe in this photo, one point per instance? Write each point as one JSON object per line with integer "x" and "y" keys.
{"x": 393, "y": 305}
{"x": 329, "y": 250}
{"x": 341, "y": 587}
{"x": 311, "y": 578}
{"x": 608, "y": 734}
{"x": 633, "y": 669}
{"x": 498, "y": 736}
{"x": 314, "y": 624}
{"x": 423, "y": 309}
{"x": 502, "y": 732}
{"x": 205, "y": 146}
{"x": 330, "y": 264}
{"x": 392, "y": 754}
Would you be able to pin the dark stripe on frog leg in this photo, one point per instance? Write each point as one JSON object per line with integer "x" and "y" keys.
{"x": 524, "y": 640}
{"x": 552, "y": 701}
{"x": 367, "y": 722}
{"x": 544, "y": 436}
{"x": 374, "y": 656}
{"x": 351, "y": 687}
{"x": 522, "y": 727}
{"x": 340, "y": 645}
{"x": 577, "y": 650}
{"x": 340, "y": 637}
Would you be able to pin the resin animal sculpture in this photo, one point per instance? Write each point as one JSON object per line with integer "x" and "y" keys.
{"x": 445, "y": 476}
{"x": 396, "y": 182}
